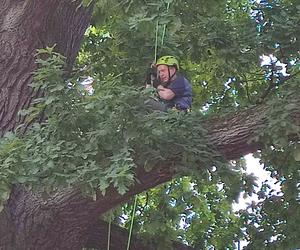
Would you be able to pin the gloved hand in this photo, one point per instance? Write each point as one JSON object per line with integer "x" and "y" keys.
{"x": 151, "y": 77}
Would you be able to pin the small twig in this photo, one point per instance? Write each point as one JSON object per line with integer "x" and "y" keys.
{"x": 248, "y": 92}
{"x": 146, "y": 204}
{"x": 271, "y": 84}
{"x": 266, "y": 92}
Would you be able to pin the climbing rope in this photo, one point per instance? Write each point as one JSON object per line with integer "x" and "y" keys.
{"x": 155, "y": 59}
{"x": 131, "y": 224}
{"x": 163, "y": 35}
{"x": 156, "y": 42}
{"x": 109, "y": 232}
{"x": 164, "y": 30}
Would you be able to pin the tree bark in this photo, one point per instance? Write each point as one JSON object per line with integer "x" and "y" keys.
{"x": 26, "y": 26}
{"x": 63, "y": 221}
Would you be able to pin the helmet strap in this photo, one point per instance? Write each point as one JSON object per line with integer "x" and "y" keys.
{"x": 170, "y": 76}
{"x": 169, "y": 80}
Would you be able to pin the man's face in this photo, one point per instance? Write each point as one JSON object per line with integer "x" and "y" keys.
{"x": 163, "y": 72}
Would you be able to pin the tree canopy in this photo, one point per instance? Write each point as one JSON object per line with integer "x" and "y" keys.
{"x": 242, "y": 58}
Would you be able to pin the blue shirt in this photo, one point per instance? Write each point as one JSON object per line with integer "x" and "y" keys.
{"x": 183, "y": 93}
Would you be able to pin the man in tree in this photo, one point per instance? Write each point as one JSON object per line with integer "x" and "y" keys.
{"x": 174, "y": 90}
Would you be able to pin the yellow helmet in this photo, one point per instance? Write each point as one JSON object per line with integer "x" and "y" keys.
{"x": 168, "y": 60}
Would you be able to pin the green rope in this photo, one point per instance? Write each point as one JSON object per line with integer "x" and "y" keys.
{"x": 164, "y": 31}
{"x": 156, "y": 35}
{"x": 108, "y": 236}
{"x": 156, "y": 42}
{"x": 131, "y": 224}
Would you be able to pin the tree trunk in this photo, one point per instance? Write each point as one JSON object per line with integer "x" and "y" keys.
{"x": 24, "y": 27}
{"x": 62, "y": 221}
{"x": 37, "y": 224}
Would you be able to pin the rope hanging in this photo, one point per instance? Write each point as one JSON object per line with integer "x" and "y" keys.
{"x": 164, "y": 31}
{"x": 163, "y": 35}
{"x": 109, "y": 232}
{"x": 135, "y": 199}
{"x": 131, "y": 224}
{"x": 156, "y": 42}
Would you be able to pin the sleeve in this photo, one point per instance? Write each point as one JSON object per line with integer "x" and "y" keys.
{"x": 178, "y": 86}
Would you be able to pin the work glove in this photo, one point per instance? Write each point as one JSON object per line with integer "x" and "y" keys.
{"x": 151, "y": 77}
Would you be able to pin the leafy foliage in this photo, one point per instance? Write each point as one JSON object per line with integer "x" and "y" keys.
{"x": 220, "y": 45}
{"x": 95, "y": 141}
{"x": 272, "y": 222}
{"x": 99, "y": 140}
{"x": 194, "y": 211}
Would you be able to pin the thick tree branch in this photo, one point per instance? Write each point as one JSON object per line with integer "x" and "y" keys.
{"x": 232, "y": 135}
{"x": 63, "y": 221}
